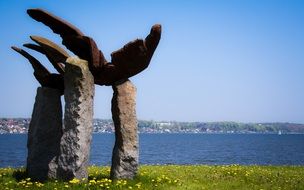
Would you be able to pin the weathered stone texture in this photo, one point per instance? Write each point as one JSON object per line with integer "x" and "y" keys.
{"x": 44, "y": 134}
{"x": 78, "y": 120}
{"x": 125, "y": 152}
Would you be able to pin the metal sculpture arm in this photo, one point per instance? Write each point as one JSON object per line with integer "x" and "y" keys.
{"x": 72, "y": 38}
{"x": 126, "y": 62}
{"x": 134, "y": 57}
{"x": 56, "y": 56}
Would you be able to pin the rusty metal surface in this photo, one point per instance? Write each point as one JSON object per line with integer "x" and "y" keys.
{"x": 43, "y": 76}
{"x": 126, "y": 62}
{"x": 55, "y": 54}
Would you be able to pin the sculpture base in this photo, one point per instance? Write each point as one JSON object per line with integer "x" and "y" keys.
{"x": 78, "y": 120}
{"x": 125, "y": 152}
{"x": 44, "y": 134}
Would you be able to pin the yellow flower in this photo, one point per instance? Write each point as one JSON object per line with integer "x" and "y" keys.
{"x": 29, "y": 183}
{"x": 39, "y": 184}
{"x": 74, "y": 181}
{"x": 66, "y": 186}
{"x": 138, "y": 185}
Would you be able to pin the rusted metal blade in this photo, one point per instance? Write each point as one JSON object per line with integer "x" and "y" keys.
{"x": 37, "y": 66}
{"x": 135, "y": 56}
{"x": 86, "y": 48}
{"x": 43, "y": 76}
{"x": 153, "y": 38}
{"x": 53, "y": 52}
{"x": 58, "y": 25}
{"x": 81, "y": 45}
{"x": 60, "y": 67}
{"x": 34, "y": 47}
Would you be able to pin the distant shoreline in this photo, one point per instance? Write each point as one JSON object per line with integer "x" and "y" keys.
{"x": 20, "y": 125}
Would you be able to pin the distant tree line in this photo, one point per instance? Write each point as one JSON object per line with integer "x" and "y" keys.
{"x": 20, "y": 125}
{"x": 225, "y": 126}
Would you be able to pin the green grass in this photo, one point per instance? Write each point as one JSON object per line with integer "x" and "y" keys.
{"x": 172, "y": 177}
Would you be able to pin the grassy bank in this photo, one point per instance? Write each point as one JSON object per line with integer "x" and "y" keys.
{"x": 172, "y": 177}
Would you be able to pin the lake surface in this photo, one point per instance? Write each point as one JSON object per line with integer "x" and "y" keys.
{"x": 244, "y": 149}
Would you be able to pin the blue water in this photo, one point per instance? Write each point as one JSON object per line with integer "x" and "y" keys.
{"x": 245, "y": 149}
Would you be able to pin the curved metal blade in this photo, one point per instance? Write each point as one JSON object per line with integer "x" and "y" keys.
{"x": 58, "y": 25}
{"x": 53, "y": 52}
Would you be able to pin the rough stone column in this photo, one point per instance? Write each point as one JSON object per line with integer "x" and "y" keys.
{"x": 78, "y": 120}
{"x": 44, "y": 134}
{"x": 125, "y": 152}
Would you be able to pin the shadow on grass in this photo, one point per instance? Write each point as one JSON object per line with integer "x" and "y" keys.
{"x": 20, "y": 175}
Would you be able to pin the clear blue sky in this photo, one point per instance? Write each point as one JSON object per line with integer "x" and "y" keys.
{"x": 217, "y": 60}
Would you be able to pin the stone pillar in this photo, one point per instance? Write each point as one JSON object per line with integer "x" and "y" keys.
{"x": 125, "y": 152}
{"x": 44, "y": 134}
{"x": 78, "y": 120}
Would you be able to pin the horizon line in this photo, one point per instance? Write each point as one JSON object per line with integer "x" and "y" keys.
{"x": 285, "y": 122}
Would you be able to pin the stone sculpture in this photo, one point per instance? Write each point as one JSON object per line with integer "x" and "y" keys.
{"x": 72, "y": 143}
{"x": 126, "y": 62}
{"x": 125, "y": 152}
{"x": 44, "y": 135}
{"x": 45, "y": 129}
{"x": 78, "y": 120}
